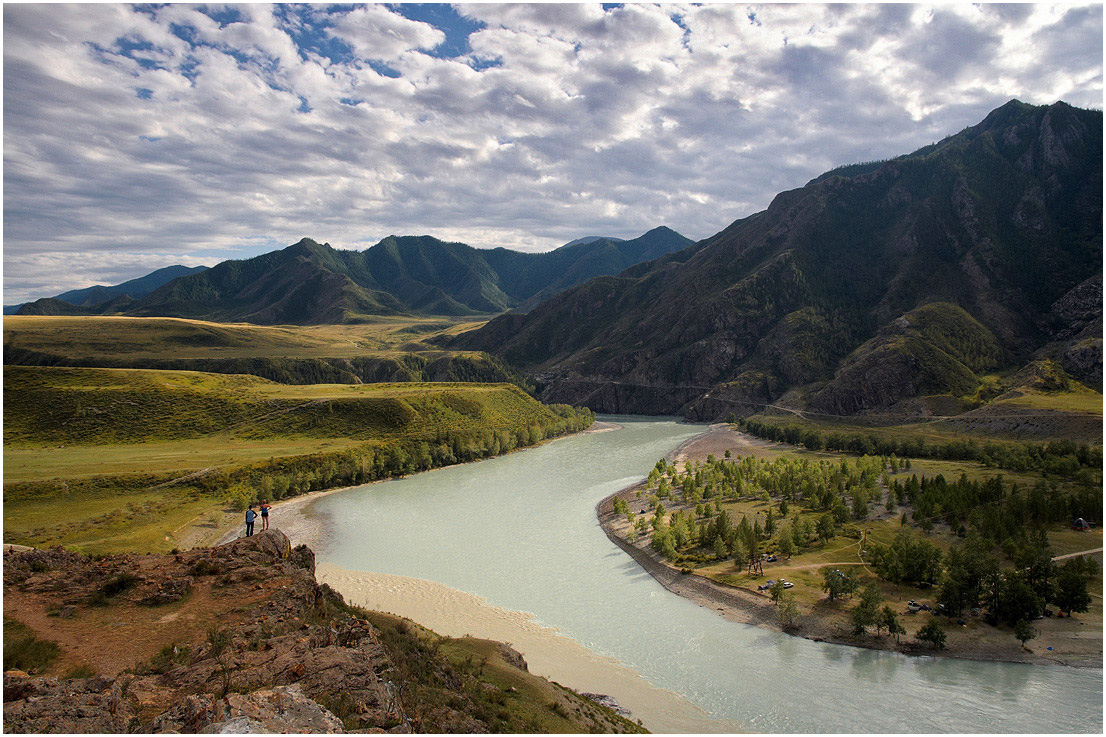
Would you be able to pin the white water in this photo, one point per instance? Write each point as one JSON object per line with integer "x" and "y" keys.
{"x": 521, "y": 531}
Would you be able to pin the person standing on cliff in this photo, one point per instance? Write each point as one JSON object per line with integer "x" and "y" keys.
{"x": 250, "y": 516}
{"x": 264, "y": 515}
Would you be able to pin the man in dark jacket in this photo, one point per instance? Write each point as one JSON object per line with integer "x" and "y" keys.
{"x": 250, "y": 517}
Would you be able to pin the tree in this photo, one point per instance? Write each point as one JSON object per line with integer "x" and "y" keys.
{"x": 756, "y": 565}
{"x": 1035, "y": 559}
{"x": 719, "y": 547}
{"x": 740, "y": 552}
{"x": 839, "y": 584}
{"x": 1071, "y": 588}
{"x": 932, "y": 634}
{"x": 1024, "y": 631}
{"x": 1014, "y": 599}
{"x": 787, "y": 611}
{"x": 860, "y": 504}
{"x": 909, "y": 558}
{"x": 866, "y": 612}
{"x": 808, "y": 530}
{"x": 970, "y": 571}
{"x": 787, "y": 547}
{"x": 890, "y": 621}
{"x": 825, "y": 528}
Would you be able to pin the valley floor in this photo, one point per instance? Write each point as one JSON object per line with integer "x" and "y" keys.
{"x": 1069, "y": 641}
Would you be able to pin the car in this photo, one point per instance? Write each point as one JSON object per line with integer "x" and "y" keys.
{"x": 913, "y": 606}
{"x": 766, "y": 585}
{"x": 787, "y": 584}
{"x": 770, "y": 558}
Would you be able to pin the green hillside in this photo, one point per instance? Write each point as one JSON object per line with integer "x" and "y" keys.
{"x": 385, "y": 349}
{"x": 92, "y": 406}
{"x": 309, "y": 283}
{"x": 117, "y": 459}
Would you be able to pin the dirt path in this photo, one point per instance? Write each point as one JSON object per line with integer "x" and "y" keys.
{"x": 1077, "y": 555}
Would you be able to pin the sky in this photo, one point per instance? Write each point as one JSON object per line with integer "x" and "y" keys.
{"x": 139, "y": 136}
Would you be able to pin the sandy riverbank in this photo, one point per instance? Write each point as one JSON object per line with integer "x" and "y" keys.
{"x": 1073, "y": 642}
{"x": 548, "y": 653}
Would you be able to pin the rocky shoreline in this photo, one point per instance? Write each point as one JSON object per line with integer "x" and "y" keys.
{"x": 749, "y": 607}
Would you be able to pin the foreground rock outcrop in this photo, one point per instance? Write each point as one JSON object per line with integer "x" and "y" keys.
{"x": 240, "y": 638}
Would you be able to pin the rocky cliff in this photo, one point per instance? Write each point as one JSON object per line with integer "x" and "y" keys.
{"x": 241, "y": 638}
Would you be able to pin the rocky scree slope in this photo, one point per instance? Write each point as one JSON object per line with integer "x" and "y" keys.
{"x": 997, "y": 230}
{"x": 239, "y": 638}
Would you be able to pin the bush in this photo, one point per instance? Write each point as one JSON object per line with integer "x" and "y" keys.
{"x": 933, "y": 635}
{"x": 113, "y": 587}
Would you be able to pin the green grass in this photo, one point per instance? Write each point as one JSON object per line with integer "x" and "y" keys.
{"x": 24, "y": 651}
{"x": 104, "y": 523}
{"x": 380, "y": 350}
{"x": 122, "y": 406}
{"x": 38, "y": 462}
{"x": 108, "y": 460}
{"x": 174, "y": 338}
{"x": 1078, "y": 399}
{"x": 506, "y": 698}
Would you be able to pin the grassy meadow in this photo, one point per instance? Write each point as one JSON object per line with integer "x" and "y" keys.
{"x": 125, "y": 459}
{"x": 385, "y": 349}
{"x": 177, "y": 338}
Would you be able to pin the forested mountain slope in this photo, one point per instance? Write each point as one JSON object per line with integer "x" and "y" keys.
{"x": 312, "y": 283}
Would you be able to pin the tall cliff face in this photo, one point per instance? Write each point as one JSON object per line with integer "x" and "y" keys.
{"x": 1001, "y": 221}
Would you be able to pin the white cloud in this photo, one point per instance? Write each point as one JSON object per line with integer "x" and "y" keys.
{"x": 378, "y": 33}
{"x": 150, "y": 136}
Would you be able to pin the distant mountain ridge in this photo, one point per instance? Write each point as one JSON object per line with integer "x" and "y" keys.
{"x": 99, "y": 295}
{"x": 591, "y": 238}
{"x": 313, "y": 283}
{"x": 869, "y": 285}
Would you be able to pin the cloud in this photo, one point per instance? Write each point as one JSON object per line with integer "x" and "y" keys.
{"x": 375, "y": 32}
{"x": 137, "y": 136}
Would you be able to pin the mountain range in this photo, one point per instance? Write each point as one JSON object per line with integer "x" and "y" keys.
{"x": 868, "y": 286}
{"x": 313, "y": 283}
{"x": 99, "y": 295}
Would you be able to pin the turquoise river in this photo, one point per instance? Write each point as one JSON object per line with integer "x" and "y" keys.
{"x": 521, "y": 531}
